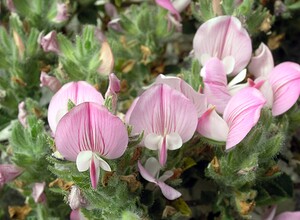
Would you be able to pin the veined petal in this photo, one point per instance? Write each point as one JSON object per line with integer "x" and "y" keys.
{"x": 285, "y": 82}
{"x": 145, "y": 174}
{"x": 162, "y": 110}
{"x": 169, "y": 192}
{"x": 173, "y": 141}
{"x": 94, "y": 172}
{"x": 162, "y": 152}
{"x": 242, "y": 114}
{"x": 77, "y": 92}
{"x": 153, "y": 167}
{"x": 212, "y": 126}
{"x": 221, "y": 37}
{"x": 199, "y": 100}
{"x": 83, "y": 160}
{"x": 215, "y": 84}
{"x": 91, "y": 127}
{"x": 262, "y": 62}
{"x": 153, "y": 141}
{"x": 266, "y": 90}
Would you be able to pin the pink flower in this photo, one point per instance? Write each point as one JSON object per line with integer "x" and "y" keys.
{"x": 198, "y": 99}
{"x": 22, "y": 115}
{"x": 76, "y": 199}
{"x": 167, "y": 118}
{"x": 167, "y": 4}
{"x": 62, "y": 13}
{"x": 49, "y": 42}
{"x": 240, "y": 116}
{"x": 225, "y": 38}
{"x": 77, "y": 92}
{"x": 151, "y": 173}
{"x": 262, "y": 62}
{"x": 87, "y": 134}
{"x": 50, "y": 82}
{"x": 10, "y": 5}
{"x": 38, "y": 192}
{"x": 216, "y": 88}
{"x": 112, "y": 90}
{"x": 8, "y": 172}
{"x": 285, "y": 82}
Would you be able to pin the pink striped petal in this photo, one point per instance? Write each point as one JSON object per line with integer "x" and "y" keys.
{"x": 262, "y": 62}
{"x": 145, "y": 174}
{"x": 162, "y": 152}
{"x": 77, "y": 92}
{"x": 91, "y": 127}
{"x": 215, "y": 84}
{"x": 94, "y": 172}
{"x": 199, "y": 100}
{"x": 223, "y": 37}
{"x": 162, "y": 110}
{"x": 169, "y": 192}
{"x": 288, "y": 216}
{"x": 129, "y": 111}
{"x": 167, "y": 4}
{"x": 212, "y": 126}
{"x": 285, "y": 82}
{"x": 242, "y": 114}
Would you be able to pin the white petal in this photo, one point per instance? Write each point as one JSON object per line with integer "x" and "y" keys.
{"x": 228, "y": 63}
{"x": 174, "y": 141}
{"x": 238, "y": 78}
{"x": 153, "y": 141}
{"x": 204, "y": 58}
{"x": 152, "y": 166}
{"x": 166, "y": 175}
{"x": 102, "y": 163}
{"x": 83, "y": 160}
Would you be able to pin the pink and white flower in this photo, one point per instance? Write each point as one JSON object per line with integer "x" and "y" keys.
{"x": 113, "y": 89}
{"x": 88, "y": 134}
{"x": 38, "y": 192}
{"x": 240, "y": 116}
{"x": 49, "y": 42}
{"x": 62, "y": 12}
{"x": 151, "y": 173}
{"x": 77, "y": 92}
{"x": 167, "y": 118}
{"x": 223, "y": 37}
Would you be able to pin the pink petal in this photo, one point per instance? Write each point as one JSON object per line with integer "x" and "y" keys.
{"x": 221, "y": 37}
{"x": 162, "y": 110}
{"x": 112, "y": 90}
{"x": 62, "y": 12}
{"x": 145, "y": 174}
{"x": 212, "y": 126}
{"x": 169, "y": 192}
{"x": 77, "y": 215}
{"x": 285, "y": 82}
{"x": 10, "y": 5}
{"x": 49, "y": 43}
{"x": 162, "y": 152}
{"x": 8, "y": 172}
{"x": 77, "y": 92}
{"x": 37, "y": 192}
{"x": 288, "y": 216}
{"x": 94, "y": 172}
{"x": 262, "y": 62}
{"x": 91, "y": 127}
{"x": 83, "y": 160}
{"x": 265, "y": 89}
{"x": 106, "y": 58}
{"x": 129, "y": 111}
{"x": 50, "y": 82}
{"x": 111, "y": 10}
{"x": 22, "y": 114}
{"x": 199, "y": 100}
{"x": 167, "y": 4}
{"x": 242, "y": 113}
{"x": 215, "y": 84}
